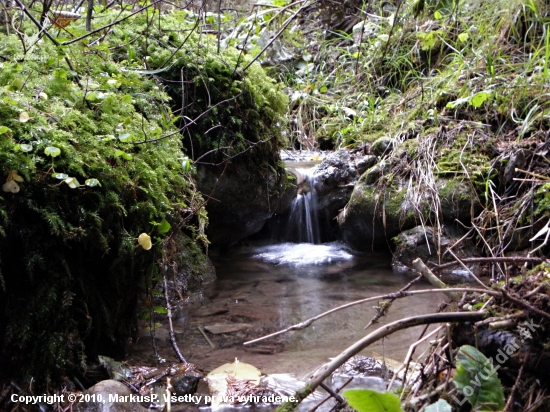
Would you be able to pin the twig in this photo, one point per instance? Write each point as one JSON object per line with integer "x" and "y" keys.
{"x": 516, "y": 385}
{"x": 169, "y": 316}
{"x": 306, "y": 323}
{"x": 434, "y": 280}
{"x": 524, "y": 305}
{"x": 383, "y": 309}
{"x": 336, "y": 396}
{"x": 467, "y": 268}
{"x": 201, "y": 330}
{"x": 77, "y": 39}
{"x": 270, "y": 42}
{"x": 513, "y": 259}
{"x": 323, "y": 373}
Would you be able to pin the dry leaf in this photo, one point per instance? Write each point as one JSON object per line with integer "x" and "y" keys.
{"x": 11, "y": 187}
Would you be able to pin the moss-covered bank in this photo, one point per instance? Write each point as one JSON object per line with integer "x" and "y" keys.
{"x": 91, "y": 157}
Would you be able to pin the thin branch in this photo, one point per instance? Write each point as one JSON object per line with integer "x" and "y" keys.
{"x": 306, "y": 323}
{"x": 382, "y": 310}
{"x": 37, "y": 23}
{"x": 324, "y": 372}
{"x": 270, "y": 42}
{"x": 77, "y": 39}
{"x": 169, "y": 316}
{"x": 524, "y": 305}
{"x": 193, "y": 121}
{"x": 513, "y": 259}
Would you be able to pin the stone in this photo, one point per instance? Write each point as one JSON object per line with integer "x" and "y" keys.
{"x": 241, "y": 198}
{"x": 424, "y": 243}
{"x": 186, "y": 383}
{"x": 219, "y": 328}
{"x": 107, "y": 391}
{"x": 376, "y": 214}
{"x": 382, "y": 146}
{"x": 364, "y": 163}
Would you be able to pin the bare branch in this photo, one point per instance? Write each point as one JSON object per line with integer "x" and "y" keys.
{"x": 324, "y": 372}
{"x": 306, "y": 323}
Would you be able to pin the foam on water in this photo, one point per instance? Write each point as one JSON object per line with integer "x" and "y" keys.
{"x": 303, "y": 254}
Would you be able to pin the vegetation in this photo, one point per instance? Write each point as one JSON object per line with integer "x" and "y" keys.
{"x": 92, "y": 157}
{"x": 103, "y": 120}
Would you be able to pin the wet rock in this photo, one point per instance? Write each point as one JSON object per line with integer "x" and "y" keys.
{"x": 106, "y": 392}
{"x": 375, "y": 214}
{"x": 425, "y": 243}
{"x": 363, "y": 372}
{"x": 219, "y": 328}
{"x": 190, "y": 270}
{"x": 241, "y": 197}
{"x": 364, "y": 163}
{"x": 382, "y": 146}
{"x": 376, "y": 172}
{"x": 186, "y": 383}
{"x": 334, "y": 179}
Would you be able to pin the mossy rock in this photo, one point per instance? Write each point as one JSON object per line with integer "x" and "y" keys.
{"x": 72, "y": 271}
{"x": 375, "y": 214}
{"x": 231, "y": 119}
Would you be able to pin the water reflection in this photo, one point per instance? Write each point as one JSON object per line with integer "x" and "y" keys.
{"x": 269, "y": 288}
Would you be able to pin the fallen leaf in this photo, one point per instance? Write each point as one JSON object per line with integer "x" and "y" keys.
{"x": 11, "y": 187}
{"x": 24, "y": 117}
{"x": 144, "y": 241}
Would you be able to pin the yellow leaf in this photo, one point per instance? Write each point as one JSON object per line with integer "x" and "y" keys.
{"x": 15, "y": 176}
{"x": 144, "y": 241}
{"x": 62, "y": 19}
{"x": 217, "y": 379}
{"x": 24, "y": 117}
{"x": 11, "y": 187}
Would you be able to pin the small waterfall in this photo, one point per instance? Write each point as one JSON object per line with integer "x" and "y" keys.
{"x": 303, "y": 222}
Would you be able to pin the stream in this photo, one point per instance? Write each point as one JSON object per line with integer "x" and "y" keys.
{"x": 262, "y": 289}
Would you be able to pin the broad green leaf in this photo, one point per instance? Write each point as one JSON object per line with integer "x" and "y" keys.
{"x": 72, "y": 182}
{"x": 323, "y": 89}
{"x": 92, "y": 97}
{"x": 24, "y": 117}
{"x": 438, "y": 15}
{"x": 477, "y": 380}
{"x": 160, "y": 309}
{"x": 479, "y": 98}
{"x": 463, "y": 37}
{"x": 440, "y": 406}
{"x": 126, "y": 156}
{"x": 52, "y": 151}
{"x": 4, "y": 129}
{"x": 119, "y": 153}
{"x": 368, "y": 400}
{"x": 164, "y": 227}
{"x": 60, "y": 176}
{"x": 92, "y": 182}
{"x": 17, "y": 84}
{"x": 124, "y": 137}
{"x": 25, "y": 147}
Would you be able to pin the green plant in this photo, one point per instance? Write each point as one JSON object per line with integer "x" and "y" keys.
{"x": 477, "y": 380}
{"x": 368, "y": 400}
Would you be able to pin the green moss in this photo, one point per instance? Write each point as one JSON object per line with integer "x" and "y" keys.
{"x": 70, "y": 264}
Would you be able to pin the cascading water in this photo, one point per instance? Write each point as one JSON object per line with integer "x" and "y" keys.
{"x": 303, "y": 222}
